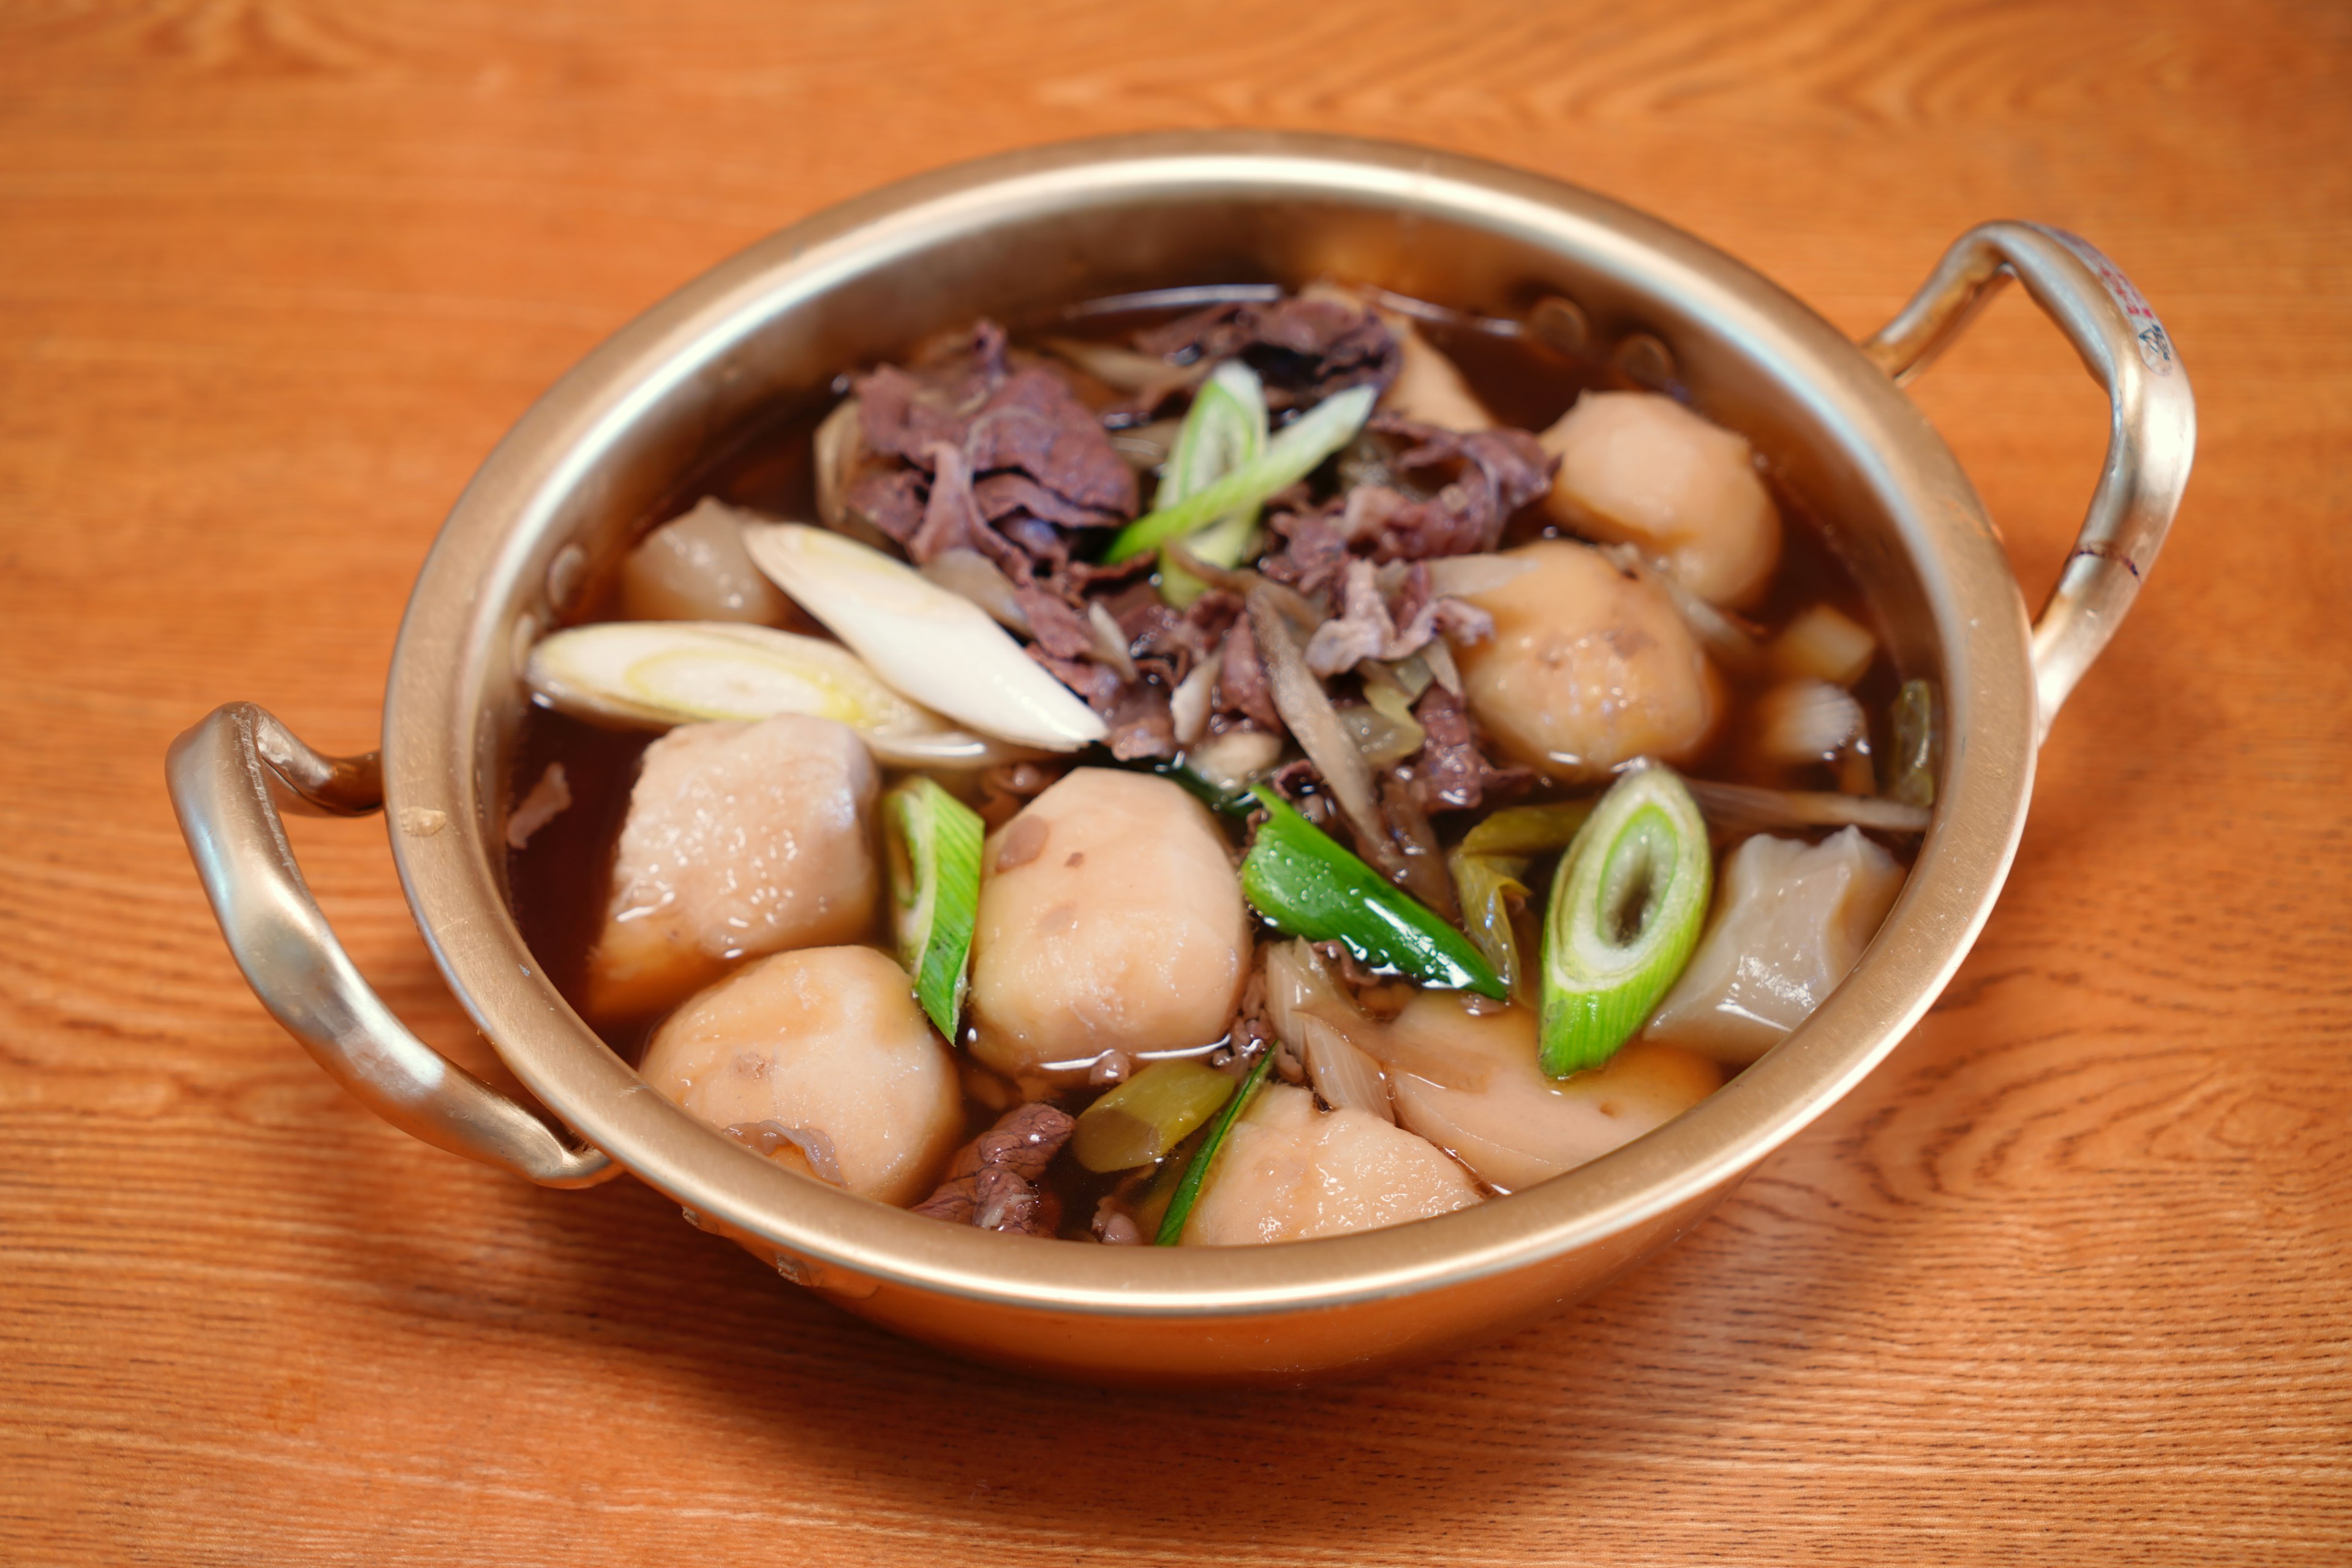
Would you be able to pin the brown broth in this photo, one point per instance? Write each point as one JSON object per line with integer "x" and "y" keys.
{"x": 560, "y": 882}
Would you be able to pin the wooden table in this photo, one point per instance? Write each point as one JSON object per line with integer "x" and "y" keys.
{"x": 2066, "y": 1280}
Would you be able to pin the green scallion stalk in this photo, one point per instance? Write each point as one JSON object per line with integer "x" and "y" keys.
{"x": 935, "y": 843}
{"x": 1627, "y": 908}
{"x": 1912, "y": 777}
{"x": 1290, "y": 457}
{"x": 1188, "y": 1191}
{"x": 1303, "y": 882}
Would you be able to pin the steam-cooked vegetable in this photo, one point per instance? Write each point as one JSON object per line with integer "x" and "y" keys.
{"x": 1792, "y": 921}
{"x": 1290, "y": 457}
{"x": 1588, "y": 669}
{"x": 651, "y": 675}
{"x": 1913, "y": 783}
{"x": 1286, "y": 1172}
{"x": 981, "y": 580}
{"x": 1491, "y": 889}
{"x": 1225, "y": 430}
{"x": 1806, "y": 721}
{"x": 1110, "y": 919}
{"x": 932, "y": 645}
{"x": 1151, "y": 1114}
{"x": 1639, "y": 467}
{"x": 693, "y": 568}
{"x": 1528, "y": 830}
{"x": 935, "y": 842}
{"x": 1824, "y": 643}
{"x": 1626, "y": 908}
{"x": 740, "y": 839}
{"x": 827, "y": 1049}
{"x": 1308, "y": 1010}
{"x": 1188, "y": 1188}
{"x": 1469, "y": 1083}
{"x": 1308, "y": 885}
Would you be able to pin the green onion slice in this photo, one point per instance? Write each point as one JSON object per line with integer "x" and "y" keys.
{"x": 1188, "y": 1191}
{"x": 1147, "y": 1115}
{"x": 1308, "y": 885}
{"x": 1914, "y": 779}
{"x": 935, "y": 842}
{"x": 1224, "y": 430}
{"x": 1627, "y": 908}
{"x": 1290, "y": 457}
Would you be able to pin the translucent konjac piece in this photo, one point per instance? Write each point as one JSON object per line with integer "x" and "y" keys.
{"x": 1589, "y": 666}
{"x": 825, "y": 1041}
{"x": 740, "y": 839}
{"x": 1289, "y": 1172}
{"x": 1791, "y": 920}
{"x": 1640, "y": 467}
{"x": 1110, "y": 919}
{"x": 1469, "y": 1083}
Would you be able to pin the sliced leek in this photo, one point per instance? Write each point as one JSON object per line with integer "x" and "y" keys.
{"x": 1188, "y": 1190}
{"x": 1627, "y": 908}
{"x": 930, "y": 645}
{"x": 935, "y": 843}
{"x": 1224, "y": 430}
{"x": 1290, "y": 457}
{"x": 1490, "y": 872}
{"x": 1147, "y": 1115}
{"x": 653, "y": 674}
{"x": 1305, "y": 885}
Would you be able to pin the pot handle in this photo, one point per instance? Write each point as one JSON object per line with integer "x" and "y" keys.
{"x": 2149, "y": 443}
{"x": 229, "y": 777}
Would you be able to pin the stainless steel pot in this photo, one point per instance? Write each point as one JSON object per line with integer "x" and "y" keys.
{"x": 1018, "y": 232}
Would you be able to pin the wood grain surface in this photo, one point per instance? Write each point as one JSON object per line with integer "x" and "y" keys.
{"x": 2068, "y": 1280}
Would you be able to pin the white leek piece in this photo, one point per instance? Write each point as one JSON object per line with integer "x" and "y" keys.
{"x": 933, "y": 646}
{"x": 653, "y": 674}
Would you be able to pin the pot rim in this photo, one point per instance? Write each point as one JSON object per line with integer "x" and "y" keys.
{"x": 459, "y": 626}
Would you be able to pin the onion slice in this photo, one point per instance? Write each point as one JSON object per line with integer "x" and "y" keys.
{"x": 1627, "y": 908}
{"x": 935, "y": 646}
{"x": 1345, "y": 1078}
{"x": 1737, "y": 808}
{"x": 651, "y": 675}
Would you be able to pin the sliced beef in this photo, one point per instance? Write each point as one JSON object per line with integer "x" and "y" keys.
{"x": 1449, "y": 773}
{"x": 1304, "y": 350}
{"x": 992, "y": 1180}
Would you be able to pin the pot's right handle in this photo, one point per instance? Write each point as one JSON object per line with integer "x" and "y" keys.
{"x": 2149, "y": 444}
{"x": 229, "y": 776}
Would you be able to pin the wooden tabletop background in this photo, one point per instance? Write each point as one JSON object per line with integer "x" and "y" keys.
{"x": 2069, "y": 1280}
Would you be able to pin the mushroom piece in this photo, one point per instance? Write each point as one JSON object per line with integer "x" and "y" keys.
{"x": 1640, "y": 467}
{"x": 740, "y": 839}
{"x": 694, "y": 568}
{"x": 824, "y": 1049}
{"x": 1589, "y": 666}
{"x": 1791, "y": 921}
{"x": 1111, "y": 919}
{"x": 1288, "y": 1171}
{"x": 1468, "y": 1083}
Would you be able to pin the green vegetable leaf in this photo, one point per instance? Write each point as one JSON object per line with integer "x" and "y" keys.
{"x": 1627, "y": 908}
{"x": 1307, "y": 885}
{"x": 1188, "y": 1191}
{"x": 935, "y": 845}
{"x": 1290, "y": 457}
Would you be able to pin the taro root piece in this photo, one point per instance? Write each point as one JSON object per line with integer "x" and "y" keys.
{"x": 1288, "y": 1173}
{"x": 740, "y": 839}
{"x": 1111, "y": 919}
{"x": 825, "y": 1041}
{"x": 1638, "y": 468}
{"x": 1588, "y": 667}
{"x": 694, "y": 568}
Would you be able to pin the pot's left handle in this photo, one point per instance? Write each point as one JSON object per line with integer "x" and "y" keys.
{"x": 229, "y": 777}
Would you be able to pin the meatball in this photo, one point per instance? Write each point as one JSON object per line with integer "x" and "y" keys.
{"x": 1588, "y": 667}
{"x": 1791, "y": 921}
{"x": 1637, "y": 466}
{"x": 1469, "y": 1083}
{"x": 1289, "y": 1172}
{"x": 824, "y": 1051}
{"x": 694, "y": 568}
{"x": 1110, "y": 919}
{"x": 740, "y": 839}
